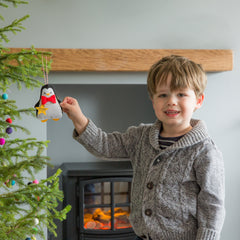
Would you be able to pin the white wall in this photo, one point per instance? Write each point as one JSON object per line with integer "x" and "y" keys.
{"x": 206, "y": 24}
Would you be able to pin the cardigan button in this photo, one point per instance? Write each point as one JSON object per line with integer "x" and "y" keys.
{"x": 148, "y": 212}
{"x": 150, "y": 185}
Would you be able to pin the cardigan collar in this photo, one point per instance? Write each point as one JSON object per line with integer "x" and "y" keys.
{"x": 198, "y": 133}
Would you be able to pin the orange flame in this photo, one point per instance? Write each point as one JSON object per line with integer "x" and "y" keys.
{"x": 101, "y": 219}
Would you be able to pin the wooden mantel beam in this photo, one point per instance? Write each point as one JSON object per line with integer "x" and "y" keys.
{"x": 133, "y": 60}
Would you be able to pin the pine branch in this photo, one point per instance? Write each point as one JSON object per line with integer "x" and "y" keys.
{"x": 22, "y": 68}
{"x": 14, "y": 2}
{"x": 49, "y": 195}
{"x": 14, "y": 27}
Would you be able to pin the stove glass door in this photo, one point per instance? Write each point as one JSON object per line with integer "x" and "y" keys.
{"x": 106, "y": 203}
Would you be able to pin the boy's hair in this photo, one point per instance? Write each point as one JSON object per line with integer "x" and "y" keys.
{"x": 185, "y": 73}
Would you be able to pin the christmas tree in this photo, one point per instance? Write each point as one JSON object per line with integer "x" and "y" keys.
{"x": 27, "y": 205}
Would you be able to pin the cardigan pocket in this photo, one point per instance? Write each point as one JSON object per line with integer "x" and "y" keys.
{"x": 169, "y": 214}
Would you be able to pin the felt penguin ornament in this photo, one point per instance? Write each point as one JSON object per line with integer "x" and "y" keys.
{"x": 48, "y": 106}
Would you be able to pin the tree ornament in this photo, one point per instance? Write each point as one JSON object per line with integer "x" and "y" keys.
{"x": 5, "y": 96}
{"x": 9, "y": 130}
{"x": 28, "y": 238}
{"x": 9, "y": 120}
{"x": 36, "y": 221}
{"x": 2, "y": 141}
{"x": 36, "y": 181}
{"x": 48, "y": 106}
{"x": 13, "y": 182}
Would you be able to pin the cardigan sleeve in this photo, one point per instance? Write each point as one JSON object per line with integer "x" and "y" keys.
{"x": 210, "y": 177}
{"x": 110, "y": 146}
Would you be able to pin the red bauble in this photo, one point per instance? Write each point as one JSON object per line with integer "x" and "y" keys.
{"x": 9, "y": 120}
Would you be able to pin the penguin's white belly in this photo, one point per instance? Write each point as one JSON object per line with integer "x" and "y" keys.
{"x": 53, "y": 111}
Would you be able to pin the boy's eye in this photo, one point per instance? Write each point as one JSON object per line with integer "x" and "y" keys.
{"x": 181, "y": 94}
{"x": 163, "y": 95}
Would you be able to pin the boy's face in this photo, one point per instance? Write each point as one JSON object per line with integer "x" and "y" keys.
{"x": 175, "y": 108}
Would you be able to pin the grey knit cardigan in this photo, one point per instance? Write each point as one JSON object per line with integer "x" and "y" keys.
{"x": 177, "y": 193}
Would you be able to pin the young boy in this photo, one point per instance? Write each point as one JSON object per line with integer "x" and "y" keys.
{"x": 178, "y": 172}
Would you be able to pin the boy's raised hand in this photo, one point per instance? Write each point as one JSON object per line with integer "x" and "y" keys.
{"x": 71, "y": 107}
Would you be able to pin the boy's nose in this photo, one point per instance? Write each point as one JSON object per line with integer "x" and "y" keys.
{"x": 172, "y": 101}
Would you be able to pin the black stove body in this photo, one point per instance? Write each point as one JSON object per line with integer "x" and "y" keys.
{"x": 99, "y": 193}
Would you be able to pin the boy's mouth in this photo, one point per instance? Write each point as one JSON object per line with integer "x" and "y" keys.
{"x": 172, "y": 113}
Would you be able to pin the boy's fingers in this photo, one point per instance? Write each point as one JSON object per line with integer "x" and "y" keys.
{"x": 70, "y": 100}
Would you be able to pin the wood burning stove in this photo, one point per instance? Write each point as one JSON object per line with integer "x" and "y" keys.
{"x": 99, "y": 193}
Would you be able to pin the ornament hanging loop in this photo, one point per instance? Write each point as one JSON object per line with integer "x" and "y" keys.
{"x": 45, "y": 71}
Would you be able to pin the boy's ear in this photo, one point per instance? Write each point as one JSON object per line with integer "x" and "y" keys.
{"x": 199, "y": 101}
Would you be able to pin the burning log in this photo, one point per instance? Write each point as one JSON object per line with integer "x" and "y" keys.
{"x": 101, "y": 216}
{"x": 102, "y": 219}
{"x": 93, "y": 225}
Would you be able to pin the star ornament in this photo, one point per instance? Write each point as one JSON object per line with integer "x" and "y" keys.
{"x": 42, "y": 109}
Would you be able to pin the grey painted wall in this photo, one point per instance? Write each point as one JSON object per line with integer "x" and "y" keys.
{"x": 112, "y": 107}
{"x": 141, "y": 24}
